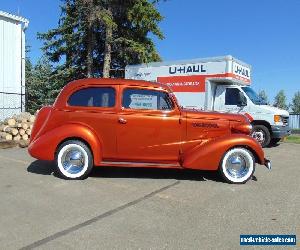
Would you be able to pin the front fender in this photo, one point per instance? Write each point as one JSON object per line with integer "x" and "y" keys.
{"x": 208, "y": 156}
{"x": 44, "y": 146}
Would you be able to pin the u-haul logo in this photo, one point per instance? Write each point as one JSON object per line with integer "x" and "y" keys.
{"x": 183, "y": 69}
{"x": 242, "y": 71}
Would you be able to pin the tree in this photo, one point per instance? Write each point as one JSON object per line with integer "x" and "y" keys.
{"x": 131, "y": 44}
{"x": 62, "y": 45}
{"x": 39, "y": 86}
{"x": 296, "y": 103}
{"x": 97, "y": 38}
{"x": 280, "y": 100}
{"x": 262, "y": 94}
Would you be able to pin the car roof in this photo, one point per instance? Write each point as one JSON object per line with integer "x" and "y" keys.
{"x": 61, "y": 100}
{"x": 117, "y": 81}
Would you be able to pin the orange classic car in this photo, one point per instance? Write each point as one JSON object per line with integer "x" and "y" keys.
{"x": 129, "y": 123}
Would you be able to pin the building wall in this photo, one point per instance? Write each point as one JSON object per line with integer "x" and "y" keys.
{"x": 12, "y": 70}
{"x": 294, "y": 121}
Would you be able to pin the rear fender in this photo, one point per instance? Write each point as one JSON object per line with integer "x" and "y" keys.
{"x": 208, "y": 156}
{"x": 44, "y": 147}
{"x": 41, "y": 119}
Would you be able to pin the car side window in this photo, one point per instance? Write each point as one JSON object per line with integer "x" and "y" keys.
{"x": 146, "y": 99}
{"x": 232, "y": 96}
{"x": 93, "y": 97}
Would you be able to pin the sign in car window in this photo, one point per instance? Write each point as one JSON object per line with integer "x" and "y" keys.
{"x": 140, "y": 101}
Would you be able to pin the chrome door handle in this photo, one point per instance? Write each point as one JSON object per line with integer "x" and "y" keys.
{"x": 122, "y": 120}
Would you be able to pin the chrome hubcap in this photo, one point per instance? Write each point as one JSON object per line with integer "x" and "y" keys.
{"x": 259, "y": 136}
{"x": 237, "y": 165}
{"x": 73, "y": 160}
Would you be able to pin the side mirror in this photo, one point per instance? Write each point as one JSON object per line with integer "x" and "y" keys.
{"x": 242, "y": 101}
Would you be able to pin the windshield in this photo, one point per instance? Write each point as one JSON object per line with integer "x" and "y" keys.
{"x": 253, "y": 96}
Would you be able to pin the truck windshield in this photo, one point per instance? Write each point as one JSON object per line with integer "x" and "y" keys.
{"x": 253, "y": 96}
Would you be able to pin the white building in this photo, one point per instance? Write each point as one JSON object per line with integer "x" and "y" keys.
{"x": 12, "y": 64}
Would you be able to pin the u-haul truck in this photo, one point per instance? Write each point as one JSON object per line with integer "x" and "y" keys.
{"x": 218, "y": 84}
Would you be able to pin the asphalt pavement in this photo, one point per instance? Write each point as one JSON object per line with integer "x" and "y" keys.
{"x": 127, "y": 208}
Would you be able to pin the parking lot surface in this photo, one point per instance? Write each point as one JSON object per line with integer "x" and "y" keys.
{"x": 126, "y": 208}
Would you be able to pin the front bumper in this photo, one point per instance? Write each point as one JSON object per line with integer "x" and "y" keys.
{"x": 268, "y": 164}
{"x": 280, "y": 131}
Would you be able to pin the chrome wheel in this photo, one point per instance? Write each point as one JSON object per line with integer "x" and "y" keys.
{"x": 237, "y": 165}
{"x": 73, "y": 160}
{"x": 259, "y": 135}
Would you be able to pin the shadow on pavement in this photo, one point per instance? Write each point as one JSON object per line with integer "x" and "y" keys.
{"x": 154, "y": 173}
{"x": 41, "y": 167}
{"x": 273, "y": 145}
{"x": 48, "y": 168}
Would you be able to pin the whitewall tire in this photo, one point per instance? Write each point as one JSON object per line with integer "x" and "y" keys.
{"x": 74, "y": 160}
{"x": 237, "y": 165}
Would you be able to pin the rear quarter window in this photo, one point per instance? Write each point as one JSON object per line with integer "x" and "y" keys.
{"x": 93, "y": 97}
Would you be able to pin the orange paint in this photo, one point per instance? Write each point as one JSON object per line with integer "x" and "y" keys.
{"x": 119, "y": 136}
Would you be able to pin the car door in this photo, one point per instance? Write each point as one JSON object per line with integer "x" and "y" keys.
{"x": 149, "y": 127}
{"x": 95, "y": 107}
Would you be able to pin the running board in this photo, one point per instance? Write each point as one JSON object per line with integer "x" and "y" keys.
{"x": 139, "y": 164}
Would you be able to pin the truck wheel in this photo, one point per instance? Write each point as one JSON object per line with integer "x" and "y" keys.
{"x": 261, "y": 134}
{"x": 237, "y": 165}
{"x": 74, "y": 160}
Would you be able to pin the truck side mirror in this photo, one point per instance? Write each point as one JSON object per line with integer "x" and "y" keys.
{"x": 242, "y": 101}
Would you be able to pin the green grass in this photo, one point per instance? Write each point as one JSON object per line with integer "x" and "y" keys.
{"x": 293, "y": 139}
{"x": 296, "y": 131}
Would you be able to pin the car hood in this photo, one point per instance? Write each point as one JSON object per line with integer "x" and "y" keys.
{"x": 212, "y": 115}
{"x": 272, "y": 110}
